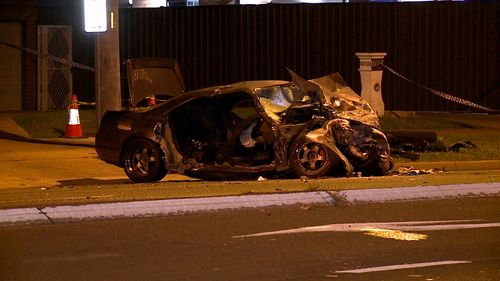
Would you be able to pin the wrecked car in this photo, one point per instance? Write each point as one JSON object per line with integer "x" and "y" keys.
{"x": 300, "y": 128}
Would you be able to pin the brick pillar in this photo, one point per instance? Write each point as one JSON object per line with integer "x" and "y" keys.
{"x": 371, "y": 79}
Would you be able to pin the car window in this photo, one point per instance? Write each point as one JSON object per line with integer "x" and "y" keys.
{"x": 277, "y": 99}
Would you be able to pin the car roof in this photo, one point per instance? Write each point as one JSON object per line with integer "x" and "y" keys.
{"x": 244, "y": 86}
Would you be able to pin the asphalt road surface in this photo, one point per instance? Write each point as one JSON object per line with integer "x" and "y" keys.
{"x": 455, "y": 239}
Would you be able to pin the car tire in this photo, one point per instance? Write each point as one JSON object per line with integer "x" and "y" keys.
{"x": 311, "y": 159}
{"x": 143, "y": 162}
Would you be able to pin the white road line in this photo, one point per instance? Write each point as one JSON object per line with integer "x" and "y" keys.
{"x": 448, "y": 227}
{"x": 401, "y": 226}
{"x": 401, "y": 266}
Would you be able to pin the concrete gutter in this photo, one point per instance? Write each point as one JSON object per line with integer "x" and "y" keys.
{"x": 88, "y": 141}
{"x": 195, "y": 205}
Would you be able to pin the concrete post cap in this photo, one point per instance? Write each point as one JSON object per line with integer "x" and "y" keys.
{"x": 371, "y": 55}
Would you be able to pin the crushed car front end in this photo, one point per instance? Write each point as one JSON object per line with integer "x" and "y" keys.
{"x": 329, "y": 129}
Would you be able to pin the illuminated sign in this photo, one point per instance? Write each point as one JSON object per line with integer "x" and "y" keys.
{"x": 95, "y": 15}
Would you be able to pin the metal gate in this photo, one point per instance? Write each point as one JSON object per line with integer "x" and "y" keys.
{"x": 54, "y": 78}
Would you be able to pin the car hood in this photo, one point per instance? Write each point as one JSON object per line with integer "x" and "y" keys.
{"x": 345, "y": 101}
{"x": 332, "y": 91}
{"x": 153, "y": 76}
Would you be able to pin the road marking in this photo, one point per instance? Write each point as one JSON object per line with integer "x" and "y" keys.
{"x": 67, "y": 257}
{"x": 394, "y": 234}
{"x": 401, "y": 266}
{"x": 392, "y": 226}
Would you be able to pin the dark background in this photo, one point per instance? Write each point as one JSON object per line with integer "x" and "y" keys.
{"x": 452, "y": 47}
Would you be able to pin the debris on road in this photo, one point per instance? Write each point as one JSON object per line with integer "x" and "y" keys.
{"x": 410, "y": 171}
{"x": 409, "y": 144}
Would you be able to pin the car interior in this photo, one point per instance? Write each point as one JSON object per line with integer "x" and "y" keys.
{"x": 222, "y": 129}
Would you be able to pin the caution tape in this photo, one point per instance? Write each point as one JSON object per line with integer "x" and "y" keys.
{"x": 49, "y": 56}
{"x": 82, "y": 103}
{"x": 89, "y": 68}
{"x": 439, "y": 93}
{"x": 86, "y": 103}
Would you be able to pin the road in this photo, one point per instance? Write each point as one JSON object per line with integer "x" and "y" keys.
{"x": 238, "y": 245}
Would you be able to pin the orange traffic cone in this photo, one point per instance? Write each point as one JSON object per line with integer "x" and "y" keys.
{"x": 73, "y": 129}
{"x": 152, "y": 101}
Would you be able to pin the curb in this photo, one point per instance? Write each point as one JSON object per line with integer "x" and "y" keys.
{"x": 196, "y": 205}
{"x": 88, "y": 141}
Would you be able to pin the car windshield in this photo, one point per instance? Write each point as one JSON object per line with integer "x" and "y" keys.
{"x": 277, "y": 99}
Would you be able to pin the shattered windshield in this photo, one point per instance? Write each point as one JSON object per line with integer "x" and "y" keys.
{"x": 277, "y": 99}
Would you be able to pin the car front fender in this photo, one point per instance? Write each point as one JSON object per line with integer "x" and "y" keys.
{"x": 324, "y": 135}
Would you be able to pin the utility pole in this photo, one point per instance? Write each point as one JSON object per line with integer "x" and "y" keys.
{"x": 107, "y": 65}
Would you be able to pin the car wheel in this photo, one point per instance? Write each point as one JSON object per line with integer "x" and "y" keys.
{"x": 311, "y": 159}
{"x": 143, "y": 161}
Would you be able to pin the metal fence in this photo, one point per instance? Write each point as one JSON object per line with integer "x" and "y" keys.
{"x": 452, "y": 47}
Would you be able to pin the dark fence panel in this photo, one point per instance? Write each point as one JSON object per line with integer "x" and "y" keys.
{"x": 452, "y": 47}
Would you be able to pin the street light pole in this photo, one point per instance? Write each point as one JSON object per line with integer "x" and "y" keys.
{"x": 107, "y": 65}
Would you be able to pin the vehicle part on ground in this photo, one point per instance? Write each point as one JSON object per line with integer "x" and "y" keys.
{"x": 143, "y": 161}
{"x": 408, "y": 144}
